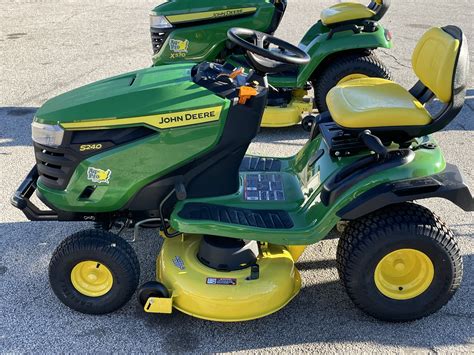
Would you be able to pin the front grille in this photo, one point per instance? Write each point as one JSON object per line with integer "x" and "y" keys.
{"x": 158, "y": 37}
{"x": 55, "y": 165}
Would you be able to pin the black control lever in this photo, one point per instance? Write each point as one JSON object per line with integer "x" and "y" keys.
{"x": 373, "y": 143}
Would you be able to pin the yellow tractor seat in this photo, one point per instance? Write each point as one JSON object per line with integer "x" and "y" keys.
{"x": 346, "y": 11}
{"x": 441, "y": 63}
{"x": 375, "y": 102}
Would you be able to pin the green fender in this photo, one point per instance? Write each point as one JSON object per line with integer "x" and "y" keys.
{"x": 320, "y": 48}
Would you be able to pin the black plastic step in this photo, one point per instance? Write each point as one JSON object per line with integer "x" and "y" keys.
{"x": 260, "y": 164}
{"x": 269, "y": 219}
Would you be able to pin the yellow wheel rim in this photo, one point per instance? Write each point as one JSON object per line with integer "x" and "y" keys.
{"x": 404, "y": 274}
{"x": 352, "y": 77}
{"x": 92, "y": 278}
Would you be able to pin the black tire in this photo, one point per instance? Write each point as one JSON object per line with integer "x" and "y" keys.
{"x": 337, "y": 68}
{"x": 106, "y": 249}
{"x": 403, "y": 226}
{"x": 104, "y": 225}
{"x": 151, "y": 289}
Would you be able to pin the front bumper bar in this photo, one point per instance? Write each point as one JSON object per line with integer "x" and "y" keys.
{"x": 21, "y": 199}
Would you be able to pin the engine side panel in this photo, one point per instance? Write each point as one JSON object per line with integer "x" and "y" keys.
{"x": 200, "y": 34}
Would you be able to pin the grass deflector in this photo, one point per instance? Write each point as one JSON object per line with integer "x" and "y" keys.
{"x": 165, "y": 148}
{"x": 340, "y": 46}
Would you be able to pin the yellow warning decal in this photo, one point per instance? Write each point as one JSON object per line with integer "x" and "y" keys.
{"x": 162, "y": 121}
{"x": 206, "y": 15}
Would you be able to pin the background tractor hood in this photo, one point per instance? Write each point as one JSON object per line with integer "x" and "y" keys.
{"x": 182, "y": 11}
{"x": 145, "y": 92}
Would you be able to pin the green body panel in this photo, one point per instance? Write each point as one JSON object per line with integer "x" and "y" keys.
{"x": 134, "y": 165}
{"x": 207, "y": 38}
{"x": 143, "y": 92}
{"x": 303, "y": 184}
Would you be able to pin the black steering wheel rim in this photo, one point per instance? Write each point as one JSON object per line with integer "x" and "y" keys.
{"x": 299, "y": 56}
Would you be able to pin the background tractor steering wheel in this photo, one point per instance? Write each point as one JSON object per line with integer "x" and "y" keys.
{"x": 261, "y": 57}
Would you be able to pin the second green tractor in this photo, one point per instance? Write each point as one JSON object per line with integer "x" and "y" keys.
{"x": 340, "y": 44}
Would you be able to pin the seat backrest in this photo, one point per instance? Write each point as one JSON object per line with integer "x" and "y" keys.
{"x": 380, "y": 7}
{"x": 434, "y": 61}
{"x": 441, "y": 62}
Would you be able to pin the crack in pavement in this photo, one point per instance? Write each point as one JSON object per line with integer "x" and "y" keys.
{"x": 395, "y": 59}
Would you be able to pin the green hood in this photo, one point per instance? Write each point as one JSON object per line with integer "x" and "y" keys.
{"x": 144, "y": 92}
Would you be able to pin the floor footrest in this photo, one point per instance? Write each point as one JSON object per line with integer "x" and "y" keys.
{"x": 260, "y": 164}
{"x": 269, "y": 219}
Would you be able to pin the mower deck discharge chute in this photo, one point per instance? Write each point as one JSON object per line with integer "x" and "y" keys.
{"x": 165, "y": 147}
{"x": 341, "y": 47}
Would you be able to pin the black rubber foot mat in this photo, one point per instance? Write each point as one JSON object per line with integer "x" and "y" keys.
{"x": 269, "y": 219}
{"x": 260, "y": 164}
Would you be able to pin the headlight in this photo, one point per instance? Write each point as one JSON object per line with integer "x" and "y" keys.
{"x": 159, "y": 21}
{"x": 48, "y": 135}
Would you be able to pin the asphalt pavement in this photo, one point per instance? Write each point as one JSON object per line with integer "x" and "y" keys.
{"x": 51, "y": 46}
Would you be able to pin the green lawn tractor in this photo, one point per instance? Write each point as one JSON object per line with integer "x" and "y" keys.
{"x": 167, "y": 146}
{"x": 340, "y": 46}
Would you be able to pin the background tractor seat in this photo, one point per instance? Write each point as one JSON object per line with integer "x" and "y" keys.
{"x": 441, "y": 62}
{"x": 349, "y": 12}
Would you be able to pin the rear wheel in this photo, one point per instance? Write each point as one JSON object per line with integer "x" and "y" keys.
{"x": 343, "y": 68}
{"x": 400, "y": 263}
{"x": 94, "y": 272}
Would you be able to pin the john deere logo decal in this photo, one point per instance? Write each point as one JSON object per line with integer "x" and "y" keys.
{"x": 161, "y": 121}
{"x": 206, "y": 15}
{"x": 179, "y": 48}
{"x": 98, "y": 175}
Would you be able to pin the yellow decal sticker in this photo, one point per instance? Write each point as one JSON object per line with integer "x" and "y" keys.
{"x": 179, "y": 46}
{"x": 161, "y": 121}
{"x": 206, "y": 15}
{"x": 87, "y": 147}
{"x": 98, "y": 175}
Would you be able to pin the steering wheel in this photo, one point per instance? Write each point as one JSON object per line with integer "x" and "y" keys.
{"x": 263, "y": 59}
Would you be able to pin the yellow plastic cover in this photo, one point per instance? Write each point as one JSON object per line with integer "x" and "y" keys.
{"x": 434, "y": 61}
{"x": 375, "y": 102}
{"x": 345, "y": 11}
{"x": 209, "y": 294}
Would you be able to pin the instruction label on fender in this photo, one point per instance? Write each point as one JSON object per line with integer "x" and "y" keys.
{"x": 264, "y": 187}
{"x": 221, "y": 281}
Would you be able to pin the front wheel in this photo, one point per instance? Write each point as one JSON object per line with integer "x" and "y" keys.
{"x": 400, "y": 263}
{"x": 94, "y": 271}
{"x": 343, "y": 68}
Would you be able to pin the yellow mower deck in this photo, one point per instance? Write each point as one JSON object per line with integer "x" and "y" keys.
{"x": 290, "y": 115}
{"x": 209, "y": 294}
